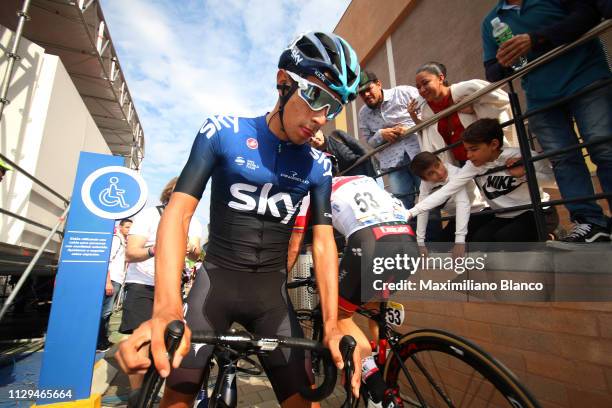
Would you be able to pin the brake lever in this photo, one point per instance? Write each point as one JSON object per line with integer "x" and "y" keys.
{"x": 152, "y": 380}
{"x": 347, "y": 348}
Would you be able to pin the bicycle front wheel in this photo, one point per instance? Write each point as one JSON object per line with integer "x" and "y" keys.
{"x": 433, "y": 368}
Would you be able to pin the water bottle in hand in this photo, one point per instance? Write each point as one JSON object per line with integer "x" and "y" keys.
{"x": 502, "y": 33}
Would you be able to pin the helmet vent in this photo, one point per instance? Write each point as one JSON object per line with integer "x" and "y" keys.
{"x": 308, "y": 48}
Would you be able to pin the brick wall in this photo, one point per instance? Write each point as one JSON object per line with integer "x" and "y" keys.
{"x": 561, "y": 351}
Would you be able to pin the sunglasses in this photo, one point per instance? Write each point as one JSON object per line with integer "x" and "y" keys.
{"x": 316, "y": 97}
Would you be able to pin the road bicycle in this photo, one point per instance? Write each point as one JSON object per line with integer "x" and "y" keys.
{"x": 427, "y": 368}
{"x": 236, "y": 346}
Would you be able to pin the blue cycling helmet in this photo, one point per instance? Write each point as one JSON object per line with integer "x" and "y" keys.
{"x": 328, "y": 57}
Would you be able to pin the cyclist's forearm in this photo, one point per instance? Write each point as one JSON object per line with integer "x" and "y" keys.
{"x": 295, "y": 243}
{"x": 170, "y": 257}
{"x": 325, "y": 257}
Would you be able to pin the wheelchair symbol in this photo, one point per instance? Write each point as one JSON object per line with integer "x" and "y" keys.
{"x": 112, "y": 195}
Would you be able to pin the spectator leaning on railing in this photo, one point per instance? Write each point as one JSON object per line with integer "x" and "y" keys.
{"x": 539, "y": 26}
{"x": 385, "y": 118}
{"x": 434, "y": 174}
{"x": 346, "y": 149}
{"x": 483, "y": 141}
{"x": 432, "y": 83}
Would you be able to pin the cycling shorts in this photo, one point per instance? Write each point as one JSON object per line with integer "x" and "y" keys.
{"x": 257, "y": 301}
{"x": 381, "y": 240}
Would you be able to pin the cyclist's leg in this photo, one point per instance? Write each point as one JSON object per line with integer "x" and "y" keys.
{"x": 372, "y": 325}
{"x": 208, "y": 308}
{"x": 360, "y": 247}
{"x": 356, "y": 287}
{"x": 358, "y": 252}
{"x": 268, "y": 311}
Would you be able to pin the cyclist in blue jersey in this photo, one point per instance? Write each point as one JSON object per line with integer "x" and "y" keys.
{"x": 261, "y": 169}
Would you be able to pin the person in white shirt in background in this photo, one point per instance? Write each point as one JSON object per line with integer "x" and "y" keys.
{"x": 434, "y": 174}
{"x": 483, "y": 141}
{"x": 140, "y": 277}
{"x": 385, "y": 119}
{"x": 114, "y": 280}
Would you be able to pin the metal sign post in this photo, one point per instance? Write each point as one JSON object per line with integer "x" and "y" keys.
{"x": 103, "y": 191}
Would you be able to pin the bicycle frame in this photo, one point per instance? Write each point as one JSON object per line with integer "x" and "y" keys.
{"x": 390, "y": 337}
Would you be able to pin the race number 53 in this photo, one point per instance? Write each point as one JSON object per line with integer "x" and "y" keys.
{"x": 394, "y": 314}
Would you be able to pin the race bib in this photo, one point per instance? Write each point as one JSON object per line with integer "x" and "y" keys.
{"x": 394, "y": 314}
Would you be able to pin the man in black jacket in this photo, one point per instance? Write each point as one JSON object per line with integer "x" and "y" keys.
{"x": 347, "y": 151}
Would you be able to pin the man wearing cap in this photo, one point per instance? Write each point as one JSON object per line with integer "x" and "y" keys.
{"x": 4, "y": 168}
{"x": 385, "y": 119}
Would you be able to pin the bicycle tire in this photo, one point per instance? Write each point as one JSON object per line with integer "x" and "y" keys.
{"x": 453, "y": 354}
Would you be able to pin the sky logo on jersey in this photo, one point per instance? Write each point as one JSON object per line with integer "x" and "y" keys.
{"x": 239, "y": 160}
{"x": 214, "y": 123}
{"x": 322, "y": 159}
{"x": 248, "y": 200}
{"x": 252, "y": 143}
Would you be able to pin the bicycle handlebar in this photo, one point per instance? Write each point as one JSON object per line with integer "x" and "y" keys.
{"x": 242, "y": 341}
{"x": 246, "y": 341}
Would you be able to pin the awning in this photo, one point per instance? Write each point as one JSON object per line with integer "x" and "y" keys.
{"x": 77, "y": 33}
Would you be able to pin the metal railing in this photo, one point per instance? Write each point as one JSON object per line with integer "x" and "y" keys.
{"x": 518, "y": 121}
{"x": 31, "y": 265}
{"x": 13, "y": 56}
{"x": 16, "y": 167}
{"x": 52, "y": 231}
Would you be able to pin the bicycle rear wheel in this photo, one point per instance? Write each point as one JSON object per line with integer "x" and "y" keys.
{"x": 440, "y": 369}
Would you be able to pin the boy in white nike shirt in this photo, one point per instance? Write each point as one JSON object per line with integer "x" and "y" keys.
{"x": 434, "y": 174}
{"x": 483, "y": 141}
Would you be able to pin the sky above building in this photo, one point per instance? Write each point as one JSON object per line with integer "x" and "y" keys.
{"x": 187, "y": 60}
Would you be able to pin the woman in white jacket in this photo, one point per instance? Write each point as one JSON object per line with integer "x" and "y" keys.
{"x": 438, "y": 95}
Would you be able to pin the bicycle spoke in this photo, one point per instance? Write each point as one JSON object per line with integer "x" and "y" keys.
{"x": 411, "y": 381}
{"x": 466, "y": 393}
{"x": 443, "y": 370}
{"x": 442, "y": 393}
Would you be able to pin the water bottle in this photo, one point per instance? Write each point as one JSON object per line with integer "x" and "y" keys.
{"x": 502, "y": 33}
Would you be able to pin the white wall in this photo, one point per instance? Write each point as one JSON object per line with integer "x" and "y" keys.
{"x": 44, "y": 128}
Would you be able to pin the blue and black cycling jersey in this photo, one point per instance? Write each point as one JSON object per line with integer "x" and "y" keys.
{"x": 258, "y": 182}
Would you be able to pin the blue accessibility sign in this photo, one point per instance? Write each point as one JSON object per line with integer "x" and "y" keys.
{"x": 104, "y": 191}
{"x": 114, "y": 192}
